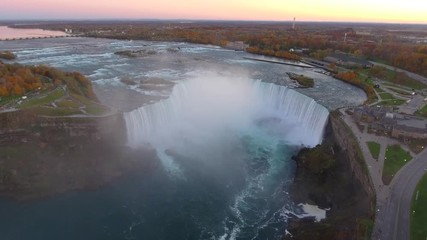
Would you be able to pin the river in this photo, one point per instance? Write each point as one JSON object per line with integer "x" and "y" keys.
{"x": 223, "y": 133}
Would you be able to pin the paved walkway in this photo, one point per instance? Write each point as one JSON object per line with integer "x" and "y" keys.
{"x": 393, "y": 200}
{"x": 410, "y": 74}
{"x": 393, "y": 220}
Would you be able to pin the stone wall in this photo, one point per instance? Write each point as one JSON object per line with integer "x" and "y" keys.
{"x": 23, "y": 126}
{"x": 348, "y": 143}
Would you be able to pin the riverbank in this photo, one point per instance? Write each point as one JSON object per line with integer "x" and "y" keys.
{"x": 336, "y": 188}
{"x": 42, "y": 157}
{"x": 8, "y": 33}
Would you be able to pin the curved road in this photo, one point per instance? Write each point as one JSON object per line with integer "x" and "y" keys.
{"x": 393, "y": 218}
{"x": 393, "y": 201}
{"x": 410, "y": 74}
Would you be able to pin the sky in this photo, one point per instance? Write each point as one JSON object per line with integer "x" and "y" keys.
{"x": 394, "y": 11}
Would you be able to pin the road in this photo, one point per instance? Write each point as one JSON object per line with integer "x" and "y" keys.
{"x": 417, "y": 102}
{"x": 393, "y": 220}
{"x": 393, "y": 201}
{"x": 410, "y": 74}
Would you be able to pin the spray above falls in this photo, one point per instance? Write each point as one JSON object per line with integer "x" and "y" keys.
{"x": 231, "y": 136}
{"x": 206, "y": 107}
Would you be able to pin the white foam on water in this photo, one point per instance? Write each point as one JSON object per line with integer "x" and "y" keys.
{"x": 312, "y": 211}
{"x": 205, "y": 106}
{"x": 165, "y": 73}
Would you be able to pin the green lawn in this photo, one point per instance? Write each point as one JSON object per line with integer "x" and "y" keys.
{"x": 379, "y": 90}
{"x": 418, "y": 226}
{"x": 92, "y": 107}
{"x": 52, "y": 96}
{"x": 392, "y": 102}
{"x": 8, "y": 99}
{"x": 68, "y": 104}
{"x": 96, "y": 109}
{"x": 386, "y": 95}
{"x": 422, "y": 112}
{"x": 56, "y": 112}
{"x": 396, "y": 77}
{"x": 374, "y": 148}
{"x": 395, "y": 158}
{"x": 405, "y": 80}
{"x": 400, "y": 91}
{"x": 389, "y": 100}
{"x": 365, "y": 227}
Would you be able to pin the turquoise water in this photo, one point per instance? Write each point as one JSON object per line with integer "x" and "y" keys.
{"x": 241, "y": 196}
{"x": 222, "y": 178}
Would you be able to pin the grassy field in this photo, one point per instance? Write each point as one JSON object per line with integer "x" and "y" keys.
{"x": 394, "y": 77}
{"x": 365, "y": 227}
{"x": 389, "y": 100}
{"x": 64, "y": 105}
{"x": 379, "y": 90}
{"x": 386, "y": 95}
{"x": 374, "y": 148}
{"x": 417, "y": 145}
{"x": 91, "y": 107}
{"x": 52, "y": 96}
{"x": 8, "y": 99}
{"x": 395, "y": 158}
{"x": 68, "y": 104}
{"x": 400, "y": 91}
{"x": 422, "y": 112}
{"x": 403, "y": 79}
{"x": 418, "y": 226}
{"x": 392, "y": 102}
{"x": 58, "y": 112}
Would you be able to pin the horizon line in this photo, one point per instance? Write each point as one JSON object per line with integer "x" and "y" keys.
{"x": 201, "y": 20}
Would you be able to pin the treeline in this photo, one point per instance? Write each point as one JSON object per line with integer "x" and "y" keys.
{"x": 402, "y": 55}
{"x": 275, "y": 39}
{"x": 395, "y": 77}
{"x": 277, "y": 43}
{"x": 18, "y": 80}
{"x": 353, "y": 78}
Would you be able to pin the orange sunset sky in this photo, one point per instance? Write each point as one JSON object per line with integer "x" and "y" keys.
{"x": 395, "y": 11}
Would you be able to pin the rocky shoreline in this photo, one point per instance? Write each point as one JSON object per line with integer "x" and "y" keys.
{"x": 49, "y": 156}
{"x": 43, "y": 157}
{"x": 335, "y": 188}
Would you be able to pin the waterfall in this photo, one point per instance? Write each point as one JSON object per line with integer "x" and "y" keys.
{"x": 215, "y": 103}
{"x": 290, "y": 103}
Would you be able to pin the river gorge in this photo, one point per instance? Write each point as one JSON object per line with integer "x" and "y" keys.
{"x": 220, "y": 130}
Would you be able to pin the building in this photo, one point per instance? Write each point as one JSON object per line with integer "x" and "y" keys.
{"x": 371, "y": 114}
{"x": 346, "y": 60}
{"x": 383, "y": 120}
{"x": 409, "y": 128}
{"x": 238, "y": 46}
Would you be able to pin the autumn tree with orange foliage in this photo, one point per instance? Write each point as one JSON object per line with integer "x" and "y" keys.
{"x": 352, "y": 78}
{"x": 17, "y": 80}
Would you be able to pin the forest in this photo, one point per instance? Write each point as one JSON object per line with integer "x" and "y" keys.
{"x": 18, "y": 80}
{"x": 388, "y": 44}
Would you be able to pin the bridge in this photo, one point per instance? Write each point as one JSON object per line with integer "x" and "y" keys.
{"x": 42, "y": 37}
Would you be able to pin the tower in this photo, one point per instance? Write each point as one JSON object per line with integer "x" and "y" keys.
{"x": 293, "y": 25}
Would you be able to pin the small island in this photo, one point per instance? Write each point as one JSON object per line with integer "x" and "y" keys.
{"x": 303, "y": 81}
{"x": 7, "y": 55}
{"x": 136, "y": 53}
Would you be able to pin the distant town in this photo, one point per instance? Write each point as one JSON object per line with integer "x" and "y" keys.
{"x": 387, "y": 61}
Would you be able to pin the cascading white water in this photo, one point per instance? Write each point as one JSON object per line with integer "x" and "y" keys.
{"x": 288, "y": 103}
{"x": 229, "y": 128}
{"x": 210, "y": 104}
